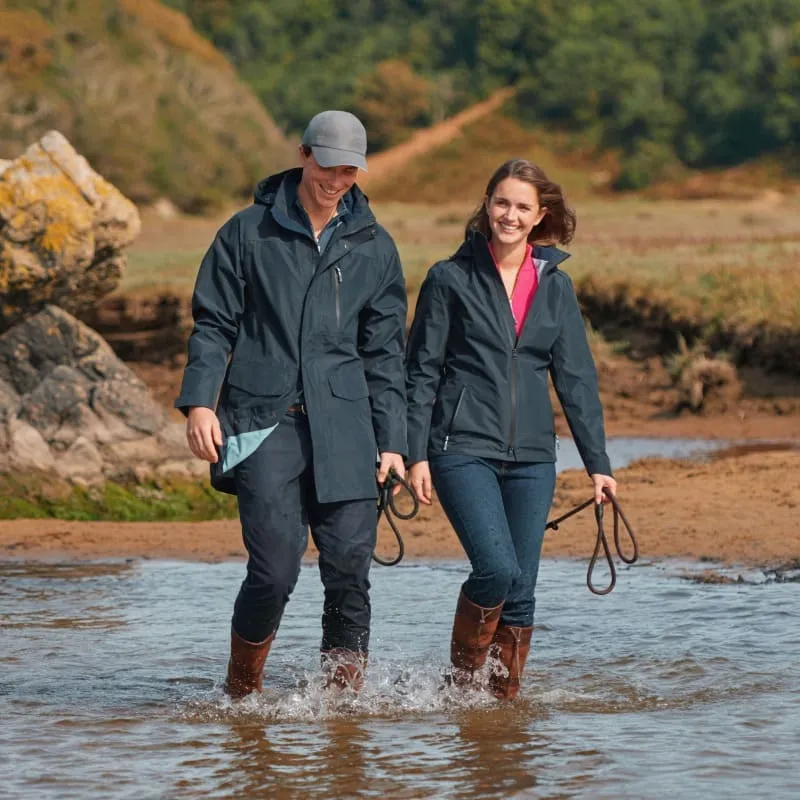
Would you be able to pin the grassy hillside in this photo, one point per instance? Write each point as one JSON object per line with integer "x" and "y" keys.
{"x": 155, "y": 107}
{"x": 457, "y": 170}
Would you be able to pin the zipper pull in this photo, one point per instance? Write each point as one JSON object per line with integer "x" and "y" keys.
{"x": 338, "y": 271}
{"x": 446, "y": 442}
{"x": 558, "y": 444}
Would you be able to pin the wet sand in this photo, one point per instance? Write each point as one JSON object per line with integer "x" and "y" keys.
{"x": 737, "y": 508}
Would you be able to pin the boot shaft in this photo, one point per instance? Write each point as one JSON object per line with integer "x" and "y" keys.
{"x": 246, "y": 665}
{"x": 510, "y": 647}
{"x": 473, "y": 630}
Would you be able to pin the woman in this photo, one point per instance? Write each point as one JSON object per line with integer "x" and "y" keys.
{"x": 491, "y": 323}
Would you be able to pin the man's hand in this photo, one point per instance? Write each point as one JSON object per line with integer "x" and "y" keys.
{"x": 203, "y": 433}
{"x": 419, "y": 477}
{"x": 600, "y": 482}
{"x": 391, "y": 461}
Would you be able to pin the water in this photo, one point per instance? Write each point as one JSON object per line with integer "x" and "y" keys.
{"x": 110, "y": 688}
{"x": 624, "y": 450}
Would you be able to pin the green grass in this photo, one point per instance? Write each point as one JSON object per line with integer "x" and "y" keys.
{"x": 37, "y": 497}
{"x": 717, "y": 260}
{"x": 165, "y": 269}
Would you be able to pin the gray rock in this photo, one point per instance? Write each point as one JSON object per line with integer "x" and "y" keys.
{"x": 9, "y": 401}
{"x": 131, "y": 402}
{"x": 81, "y": 462}
{"x": 26, "y": 448}
{"x": 68, "y": 404}
{"x": 51, "y": 338}
{"x": 194, "y": 468}
{"x": 56, "y": 400}
{"x": 172, "y": 439}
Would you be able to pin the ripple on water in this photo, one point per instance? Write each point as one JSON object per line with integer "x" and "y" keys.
{"x": 660, "y": 678}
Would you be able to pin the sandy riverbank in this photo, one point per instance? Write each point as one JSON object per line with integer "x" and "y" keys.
{"x": 735, "y": 509}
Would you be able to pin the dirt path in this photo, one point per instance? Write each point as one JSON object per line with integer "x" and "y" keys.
{"x": 388, "y": 162}
{"x": 740, "y": 509}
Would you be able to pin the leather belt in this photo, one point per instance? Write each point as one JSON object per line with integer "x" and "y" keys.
{"x": 298, "y": 408}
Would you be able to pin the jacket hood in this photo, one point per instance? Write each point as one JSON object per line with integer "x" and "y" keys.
{"x": 476, "y": 245}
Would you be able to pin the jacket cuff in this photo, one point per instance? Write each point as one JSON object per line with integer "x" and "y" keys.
{"x": 601, "y": 465}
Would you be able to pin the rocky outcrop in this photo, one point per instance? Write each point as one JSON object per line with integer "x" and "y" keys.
{"x": 62, "y": 232}
{"x": 69, "y": 405}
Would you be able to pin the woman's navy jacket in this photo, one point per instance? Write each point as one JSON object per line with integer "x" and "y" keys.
{"x": 475, "y": 388}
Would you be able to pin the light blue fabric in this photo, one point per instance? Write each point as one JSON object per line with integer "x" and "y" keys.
{"x": 237, "y": 448}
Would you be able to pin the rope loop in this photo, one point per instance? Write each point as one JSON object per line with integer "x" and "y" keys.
{"x": 387, "y": 505}
{"x": 601, "y": 542}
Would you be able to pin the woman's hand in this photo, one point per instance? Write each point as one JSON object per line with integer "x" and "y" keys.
{"x": 419, "y": 476}
{"x": 603, "y": 482}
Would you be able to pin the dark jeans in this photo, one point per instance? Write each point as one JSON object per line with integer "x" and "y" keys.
{"x": 277, "y": 504}
{"x": 498, "y": 510}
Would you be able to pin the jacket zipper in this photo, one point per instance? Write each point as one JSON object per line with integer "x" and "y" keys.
{"x": 513, "y": 432}
{"x": 337, "y": 271}
{"x": 453, "y": 418}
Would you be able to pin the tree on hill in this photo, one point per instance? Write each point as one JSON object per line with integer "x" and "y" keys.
{"x": 702, "y": 82}
{"x": 391, "y": 102}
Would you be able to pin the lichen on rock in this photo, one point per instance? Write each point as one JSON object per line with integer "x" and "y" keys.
{"x": 62, "y": 231}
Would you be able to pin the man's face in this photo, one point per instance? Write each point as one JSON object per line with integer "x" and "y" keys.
{"x": 325, "y": 186}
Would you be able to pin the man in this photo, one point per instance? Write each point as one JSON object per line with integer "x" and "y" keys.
{"x": 299, "y": 312}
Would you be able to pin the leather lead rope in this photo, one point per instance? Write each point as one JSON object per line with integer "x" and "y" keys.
{"x": 602, "y": 541}
{"x": 387, "y": 505}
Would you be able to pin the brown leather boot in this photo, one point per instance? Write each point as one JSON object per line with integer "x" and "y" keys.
{"x": 246, "y": 665}
{"x": 344, "y": 669}
{"x": 510, "y": 647}
{"x": 473, "y": 629}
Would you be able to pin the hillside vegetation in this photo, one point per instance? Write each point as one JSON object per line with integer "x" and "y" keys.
{"x": 664, "y": 83}
{"x": 154, "y": 106}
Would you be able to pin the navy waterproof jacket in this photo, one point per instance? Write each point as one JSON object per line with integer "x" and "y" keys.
{"x": 259, "y": 325}
{"x": 476, "y": 388}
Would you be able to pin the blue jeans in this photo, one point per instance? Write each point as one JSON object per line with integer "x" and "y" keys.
{"x": 499, "y": 511}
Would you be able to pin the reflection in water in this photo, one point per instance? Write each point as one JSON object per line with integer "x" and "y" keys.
{"x": 497, "y": 753}
{"x": 110, "y": 688}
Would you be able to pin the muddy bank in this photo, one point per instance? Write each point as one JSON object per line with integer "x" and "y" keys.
{"x": 739, "y": 509}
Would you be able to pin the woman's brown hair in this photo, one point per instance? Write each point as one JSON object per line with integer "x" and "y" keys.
{"x": 558, "y": 223}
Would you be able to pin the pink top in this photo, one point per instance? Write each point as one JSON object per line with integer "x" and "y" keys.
{"x": 524, "y": 289}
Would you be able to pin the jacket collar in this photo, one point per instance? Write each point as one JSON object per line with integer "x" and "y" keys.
{"x": 476, "y": 247}
{"x": 278, "y": 193}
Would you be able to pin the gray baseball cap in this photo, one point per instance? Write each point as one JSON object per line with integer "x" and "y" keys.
{"x": 337, "y": 139}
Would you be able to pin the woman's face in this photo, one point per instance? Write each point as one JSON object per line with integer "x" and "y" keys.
{"x": 513, "y": 211}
